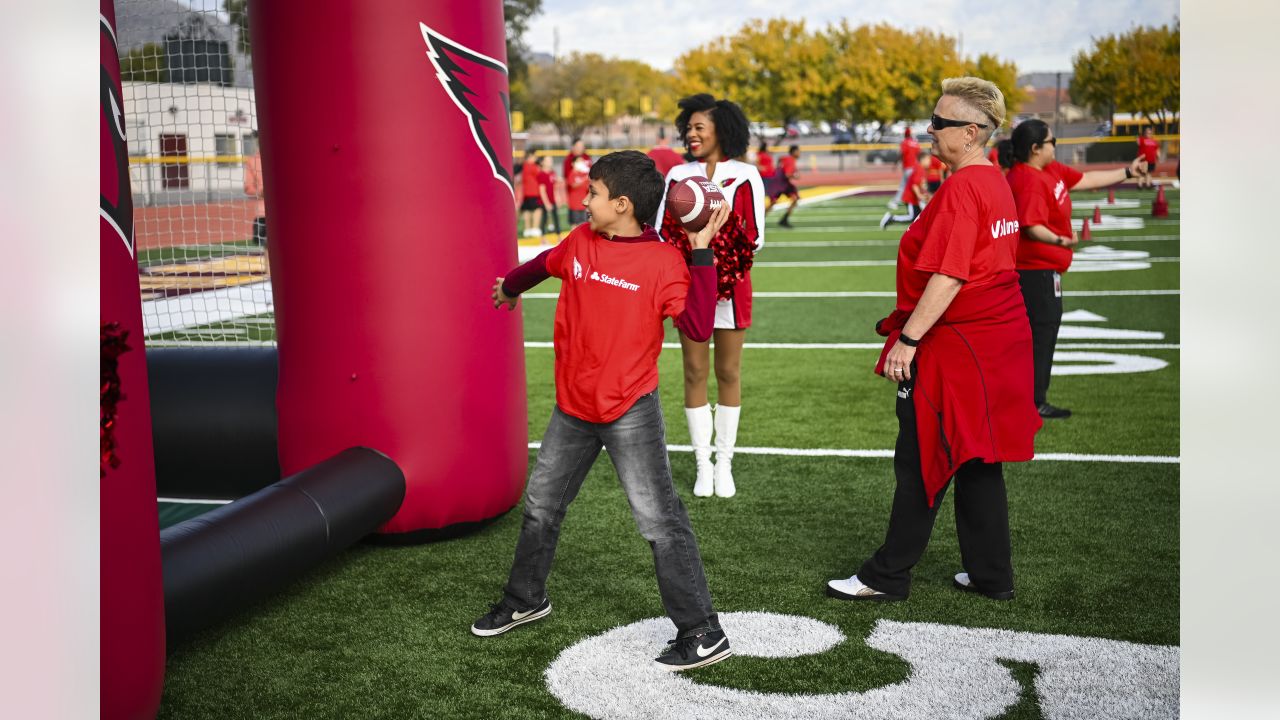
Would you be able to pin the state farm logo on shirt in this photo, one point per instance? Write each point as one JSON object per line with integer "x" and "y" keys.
{"x": 577, "y": 269}
{"x": 616, "y": 282}
{"x": 1058, "y": 189}
{"x": 1002, "y": 227}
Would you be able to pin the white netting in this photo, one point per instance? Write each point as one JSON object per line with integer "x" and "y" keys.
{"x": 191, "y": 117}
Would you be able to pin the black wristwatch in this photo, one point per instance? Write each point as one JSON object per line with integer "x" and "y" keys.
{"x": 907, "y": 340}
{"x": 1128, "y": 173}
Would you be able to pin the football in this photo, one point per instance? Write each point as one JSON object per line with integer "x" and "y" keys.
{"x": 692, "y": 200}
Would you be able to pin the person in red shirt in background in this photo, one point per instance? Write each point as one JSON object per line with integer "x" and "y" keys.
{"x": 254, "y": 188}
{"x": 576, "y": 185}
{"x": 1003, "y": 155}
{"x": 908, "y": 158}
{"x": 915, "y": 196}
{"x": 619, "y": 281}
{"x": 784, "y": 184}
{"x": 547, "y": 193}
{"x": 664, "y": 158}
{"x": 530, "y": 195}
{"x": 577, "y": 150}
{"x": 935, "y": 172}
{"x": 959, "y": 349}
{"x": 1149, "y": 152}
{"x": 1041, "y": 188}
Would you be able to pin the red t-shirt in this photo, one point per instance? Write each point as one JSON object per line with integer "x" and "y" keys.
{"x": 764, "y": 161}
{"x": 934, "y": 169}
{"x": 529, "y": 180}
{"x": 548, "y": 181}
{"x": 665, "y": 158}
{"x": 575, "y": 188}
{"x": 608, "y": 329}
{"x": 788, "y": 166}
{"x": 994, "y": 156}
{"x": 910, "y": 150}
{"x": 969, "y": 230}
{"x": 1149, "y": 149}
{"x": 909, "y": 194}
{"x": 1044, "y": 198}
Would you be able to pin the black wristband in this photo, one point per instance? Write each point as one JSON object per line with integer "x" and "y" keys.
{"x": 1128, "y": 173}
{"x": 907, "y": 340}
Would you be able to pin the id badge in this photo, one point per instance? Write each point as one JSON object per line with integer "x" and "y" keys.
{"x": 1057, "y": 285}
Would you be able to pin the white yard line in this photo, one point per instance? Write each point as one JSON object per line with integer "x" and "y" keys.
{"x": 840, "y": 452}
{"x": 887, "y": 263}
{"x": 204, "y": 308}
{"x": 538, "y": 344}
{"x": 890, "y": 294}
{"x": 192, "y": 501}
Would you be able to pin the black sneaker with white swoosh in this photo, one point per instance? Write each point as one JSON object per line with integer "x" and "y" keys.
{"x": 502, "y": 617}
{"x": 694, "y": 651}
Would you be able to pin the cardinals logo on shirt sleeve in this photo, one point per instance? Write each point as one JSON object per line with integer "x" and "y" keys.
{"x": 477, "y": 84}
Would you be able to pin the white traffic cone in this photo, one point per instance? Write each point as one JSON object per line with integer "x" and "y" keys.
{"x": 726, "y": 438}
{"x": 700, "y": 425}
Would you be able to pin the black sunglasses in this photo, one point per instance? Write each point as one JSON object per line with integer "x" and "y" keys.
{"x": 940, "y": 123}
{"x": 1051, "y": 141}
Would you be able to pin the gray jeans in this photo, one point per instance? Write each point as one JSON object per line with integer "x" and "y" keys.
{"x": 637, "y": 445}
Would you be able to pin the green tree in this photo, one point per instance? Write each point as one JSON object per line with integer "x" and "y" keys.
{"x": 517, "y": 14}
{"x": 588, "y": 80}
{"x": 1135, "y": 72}
{"x": 145, "y": 64}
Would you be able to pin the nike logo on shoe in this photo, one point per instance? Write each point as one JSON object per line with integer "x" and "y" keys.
{"x": 517, "y": 615}
{"x": 703, "y": 652}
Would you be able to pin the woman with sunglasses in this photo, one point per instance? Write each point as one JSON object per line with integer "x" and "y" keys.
{"x": 959, "y": 351}
{"x": 1041, "y": 188}
{"x": 717, "y": 133}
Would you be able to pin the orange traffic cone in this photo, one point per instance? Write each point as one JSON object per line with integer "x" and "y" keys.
{"x": 1111, "y": 196}
{"x": 1085, "y": 234}
{"x": 1097, "y": 215}
{"x": 1160, "y": 208}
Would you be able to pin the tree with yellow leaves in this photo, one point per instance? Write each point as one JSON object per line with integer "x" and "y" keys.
{"x": 598, "y": 89}
{"x": 779, "y": 71}
{"x": 1135, "y": 72}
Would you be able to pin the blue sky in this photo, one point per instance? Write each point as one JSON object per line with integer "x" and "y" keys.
{"x": 1039, "y": 35}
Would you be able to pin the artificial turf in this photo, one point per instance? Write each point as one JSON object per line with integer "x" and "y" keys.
{"x": 381, "y": 632}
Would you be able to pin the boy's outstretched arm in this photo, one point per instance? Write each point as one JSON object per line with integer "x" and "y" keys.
{"x": 506, "y": 291}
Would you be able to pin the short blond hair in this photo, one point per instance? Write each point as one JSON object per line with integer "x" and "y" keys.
{"x": 981, "y": 95}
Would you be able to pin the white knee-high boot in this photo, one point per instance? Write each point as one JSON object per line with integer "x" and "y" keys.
{"x": 726, "y": 438}
{"x": 700, "y": 426}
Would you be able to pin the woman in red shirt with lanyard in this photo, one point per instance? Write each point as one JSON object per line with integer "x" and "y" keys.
{"x": 959, "y": 350}
{"x": 1041, "y": 188}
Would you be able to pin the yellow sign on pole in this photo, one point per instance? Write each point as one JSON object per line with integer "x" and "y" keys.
{"x": 646, "y": 104}
{"x": 517, "y": 121}
{"x": 610, "y": 107}
{"x": 566, "y": 107}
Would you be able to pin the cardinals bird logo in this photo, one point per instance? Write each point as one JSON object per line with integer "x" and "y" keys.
{"x": 115, "y": 201}
{"x": 477, "y": 84}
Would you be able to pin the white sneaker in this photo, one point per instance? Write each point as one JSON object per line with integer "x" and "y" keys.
{"x": 884, "y": 221}
{"x": 892, "y": 204}
{"x": 855, "y": 589}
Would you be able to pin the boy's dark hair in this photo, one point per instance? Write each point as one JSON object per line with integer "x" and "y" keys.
{"x": 732, "y": 129}
{"x": 1027, "y": 135}
{"x": 530, "y": 152}
{"x": 793, "y": 149}
{"x": 632, "y": 174}
{"x": 764, "y": 146}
